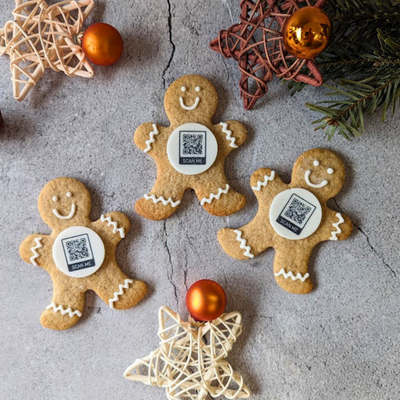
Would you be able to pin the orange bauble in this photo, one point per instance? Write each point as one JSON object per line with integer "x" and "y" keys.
{"x": 102, "y": 44}
{"x": 205, "y": 300}
{"x": 307, "y": 32}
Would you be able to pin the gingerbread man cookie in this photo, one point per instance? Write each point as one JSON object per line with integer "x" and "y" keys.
{"x": 79, "y": 254}
{"x": 191, "y": 152}
{"x": 292, "y": 218}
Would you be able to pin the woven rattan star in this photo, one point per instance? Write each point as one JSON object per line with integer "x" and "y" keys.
{"x": 190, "y": 362}
{"x": 256, "y": 43}
{"x": 43, "y": 36}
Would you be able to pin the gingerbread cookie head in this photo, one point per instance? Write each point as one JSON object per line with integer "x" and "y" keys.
{"x": 191, "y": 97}
{"x": 64, "y": 202}
{"x": 321, "y": 172}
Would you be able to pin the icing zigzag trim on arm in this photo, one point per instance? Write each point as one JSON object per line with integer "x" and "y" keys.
{"x": 336, "y": 226}
{"x": 120, "y": 292}
{"x": 121, "y": 231}
{"x": 35, "y": 253}
{"x": 63, "y": 311}
{"x": 162, "y": 199}
{"x": 289, "y": 274}
{"x": 264, "y": 182}
{"x": 213, "y": 196}
{"x": 243, "y": 244}
{"x": 229, "y": 135}
{"x": 153, "y": 133}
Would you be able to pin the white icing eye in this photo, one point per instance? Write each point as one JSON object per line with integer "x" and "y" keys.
{"x": 316, "y": 163}
{"x": 69, "y": 194}
{"x": 198, "y": 88}
{"x": 55, "y": 198}
{"x": 330, "y": 171}
{"x": 183, "y": 88}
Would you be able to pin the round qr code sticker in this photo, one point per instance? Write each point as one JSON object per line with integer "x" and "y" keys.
{"x": 295, "y": 214}
{"x": 192, "y": 149}
{"x": 78, "y": 252}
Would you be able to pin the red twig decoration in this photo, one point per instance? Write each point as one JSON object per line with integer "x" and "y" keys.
{"x": 256, "y": 43}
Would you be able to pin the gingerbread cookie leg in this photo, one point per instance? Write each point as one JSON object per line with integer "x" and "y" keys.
{"x": 291, "y": 269}
{"x": 161, "y": 202}
{"x": 219, "y": 198}
{"x": 118, "y": 290}
{"x": 65, "y": 308}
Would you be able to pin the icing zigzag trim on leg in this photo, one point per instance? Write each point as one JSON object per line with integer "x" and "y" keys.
{"x": 229, "y": 135}
{"x": 63, "y": 311}
{"x": 264, "y": 182}
{"x": 243, "y": 244}
{"x": 121, "y": 231}
{"x": 336, "y": 225}
{"x": 162, "y": 199}
{"x": 153, "y": 133}
{"x": 289, "y": 274}
{"x": 215, "y": 196}
{"x": 35, "y": 253}
{"x": 120, "y": 292}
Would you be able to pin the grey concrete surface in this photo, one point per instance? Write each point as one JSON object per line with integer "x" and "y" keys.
{"x": 342, "y": 341}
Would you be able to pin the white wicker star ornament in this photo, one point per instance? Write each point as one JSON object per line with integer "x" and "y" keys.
{"x": 190, "y": 362}
{"x": 41, "y": 37}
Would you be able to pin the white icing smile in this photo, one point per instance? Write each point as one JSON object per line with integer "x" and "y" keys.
{"x": 189, "y": 108}
{"x": 314, "y": 185}
{"x": 69, "y": 216}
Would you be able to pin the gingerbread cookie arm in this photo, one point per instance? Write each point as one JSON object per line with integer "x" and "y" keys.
{"x": 232, "y": 133}
{"x": 113, "y": 225}
{"x": 146, "y": 137}
{"x": 335, "y": 226}
{"x": 31, "y": 250}
{"x": 248, "y": 241}
{"x": 266, "y": 184}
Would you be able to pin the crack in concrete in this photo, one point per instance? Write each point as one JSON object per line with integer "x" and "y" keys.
{"x": 337, "y": 205}
{"x": 391, "y": 270}
{"x": 170, "y": 40}
{"x": 185, "y": 269}
{"x": 185, "y": 273}
{"x": 257, "y": 316}
{"x": 192, "y": 245}
{"x": 170, "y": 273}
{"x": 97, "y": 309}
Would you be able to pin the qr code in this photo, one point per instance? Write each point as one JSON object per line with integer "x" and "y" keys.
{"x": 297, "y": 211}
{"x": 77, "y": 249}
{"x": 192, "y": 144}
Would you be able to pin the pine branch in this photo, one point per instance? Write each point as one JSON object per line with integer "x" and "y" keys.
{"x": 346, "y": 116}
{"x": 363, "y": 10}
{"x": 363, "y": 61}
